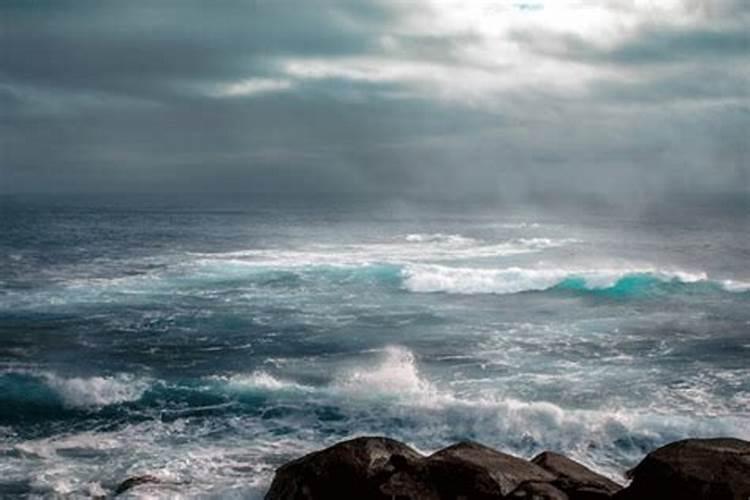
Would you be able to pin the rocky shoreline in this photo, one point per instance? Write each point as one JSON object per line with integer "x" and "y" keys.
{"x": 378, "y": 468}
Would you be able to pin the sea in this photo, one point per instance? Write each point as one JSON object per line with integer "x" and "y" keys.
{"x": 208, "y": 340}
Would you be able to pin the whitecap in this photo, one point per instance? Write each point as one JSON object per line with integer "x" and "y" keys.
{"x": 735, "y": 286}
{"x": 437, "y": 278}
{"x": 451, "y": 239}
{"x": 394, "y": 374}
{"x": 466, "y": 280}
{"x": 98, "y": 390}
{"x": 416, "y": 248}
{"x": 259, "y": 380}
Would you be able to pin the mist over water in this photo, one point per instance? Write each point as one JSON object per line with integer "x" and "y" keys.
{"x": 208, "y": 342}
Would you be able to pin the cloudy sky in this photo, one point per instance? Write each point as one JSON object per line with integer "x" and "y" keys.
{"x": 415, "y": 97}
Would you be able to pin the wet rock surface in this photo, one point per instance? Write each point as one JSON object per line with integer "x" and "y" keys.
{"x": 135, "y": 481}
{"x": 366, "y": 468}
{"x": 574, "y": 479}
{"x": 476, "y": 471}
{"x": 693, "y": 469}
{"x": 378, "y": 468}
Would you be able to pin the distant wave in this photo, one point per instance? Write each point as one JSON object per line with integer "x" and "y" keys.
{"x": 415, "y": 247}
{"x": 463, "y": 280}
{"x": 519, "y": 225}
{"x": 211, "y": 274}
{"x": 455, "y": 239}
{"x": 278, "y": 267}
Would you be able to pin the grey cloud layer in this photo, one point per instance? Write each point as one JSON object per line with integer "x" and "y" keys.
{"x": 367, "y": 97}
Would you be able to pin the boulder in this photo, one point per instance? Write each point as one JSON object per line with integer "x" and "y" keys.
{"x": 538, "y": 491}
{"x": 471, "y": 470}
{"x": 134, "y": 481}
{"x": 576, "y": 480}
{"x": 693, "y": 469}
{"x": 367, "y": 468}
{"x": 375, "y": 468}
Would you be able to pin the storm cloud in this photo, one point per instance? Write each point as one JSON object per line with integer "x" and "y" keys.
{"x": 426, "y": 97}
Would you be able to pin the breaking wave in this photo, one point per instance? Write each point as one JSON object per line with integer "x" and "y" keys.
{"x": 97, "y": 391}
{"x": 40, "y": 395}
{"x": 259, "y": 381}
{"x": 393, "y": 375}
{"x": 415, "y": 247}
{"x": 386, "y": 393}
{"x": 628, "y": 282}
{"x": 455, "y": 239}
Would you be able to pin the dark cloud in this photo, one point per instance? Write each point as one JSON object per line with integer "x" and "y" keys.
{"x": 377, "y": 98}
{"x": 140, "y": 47}
{"x": 649, "y": 45}
{"x": 661, "y": 46}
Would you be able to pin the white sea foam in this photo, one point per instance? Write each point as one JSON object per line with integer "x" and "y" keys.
{"x": 416, "y": 248}
{"x": 191, "y": 466}
{"x": 237, "y": 455}
{"x": 454, "y": 239}
{"x": 49, "y": 447}
{"x": 96, "y": 391}
{"x": 394, "y": 374}
{"x": 433, "y": 414}
{"x": 735, "y": 286}
{"x": 259, "y": 380}
{"x": 519, "y": 225}
{"x": 466, "y": 280}
{"x": 173, "y": 274}
{"x": 435, "y": 278}
{"x": 525, "y": 427}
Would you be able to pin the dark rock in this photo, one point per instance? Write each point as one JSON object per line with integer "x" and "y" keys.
{"x": 376, "y": 468}
{"x": 576, "y": 480}
{"x": 383, "y": 469}
{"x": 134, "y": 481}
{"x": 474, "y": 471}
{"x": 366, "y": 468}
{"x": 693, "y": 469}
{"x": 538, "y": 491}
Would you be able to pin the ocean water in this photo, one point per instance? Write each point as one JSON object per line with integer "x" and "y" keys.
{"x": 210, "y": 342}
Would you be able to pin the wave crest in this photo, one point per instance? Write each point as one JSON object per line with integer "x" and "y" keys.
{"x": 454, "y": 239}
{"x": 395, "y": 374}
{"x": 427, "y": 278}
{"x": 259, "y": 380}
{"x": 97, "y": 391}
{"x": 73, "y": 392}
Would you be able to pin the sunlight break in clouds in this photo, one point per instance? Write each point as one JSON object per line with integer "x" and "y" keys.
{"x": 500, "y": 97}
{"x": 253, "y": 86}
{"x": 487, "y": 49}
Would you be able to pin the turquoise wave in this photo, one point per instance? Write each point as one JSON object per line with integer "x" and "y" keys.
{"x": 640, "y": 285}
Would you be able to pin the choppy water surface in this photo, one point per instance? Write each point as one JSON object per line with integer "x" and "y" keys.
{"x": 208, "y": 344}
